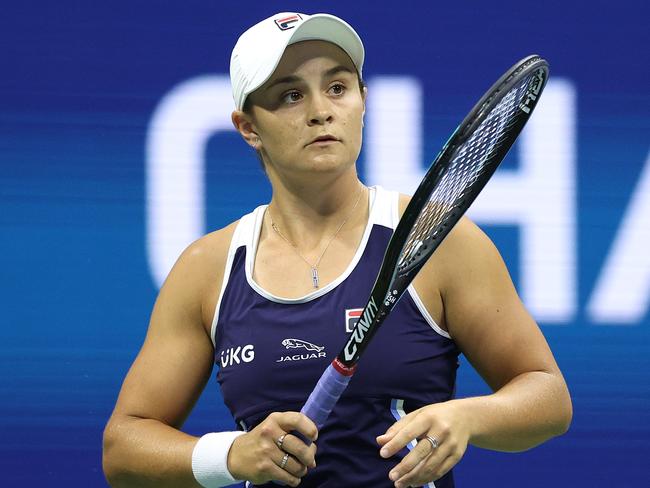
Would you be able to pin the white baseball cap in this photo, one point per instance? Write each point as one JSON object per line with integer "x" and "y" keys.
{"x": 259, "y": 49}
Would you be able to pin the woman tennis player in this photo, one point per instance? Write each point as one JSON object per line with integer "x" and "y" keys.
{"x": 271, "y": 298}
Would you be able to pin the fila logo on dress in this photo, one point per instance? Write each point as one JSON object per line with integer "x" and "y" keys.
{"x": 352, "y": 315}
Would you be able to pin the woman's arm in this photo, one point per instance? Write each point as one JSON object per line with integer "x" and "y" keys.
{"x": 488, "y": 321}
{"x": 143, "y": 446}
{"x": 142, "y": 443}
{"x": 484, "y": 315}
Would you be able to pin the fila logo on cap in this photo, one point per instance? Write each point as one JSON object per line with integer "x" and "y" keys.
{"x": 352, "y": 315}
{"x": 286, "y": 23}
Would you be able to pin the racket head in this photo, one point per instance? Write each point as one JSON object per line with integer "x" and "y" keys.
{"x": 465, "y": 164}
{"x": 455, "y": 178}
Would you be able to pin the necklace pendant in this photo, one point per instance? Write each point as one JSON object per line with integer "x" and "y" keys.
{"x": 314, "y": 277}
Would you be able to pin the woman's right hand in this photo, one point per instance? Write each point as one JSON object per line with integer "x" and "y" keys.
{"x": 258, "y": 455}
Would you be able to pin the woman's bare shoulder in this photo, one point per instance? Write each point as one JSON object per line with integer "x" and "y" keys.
{"x": 198, "y": 273}
{"x": 215, "y": 245}
{"x": 464, "y": 232}
{"x": 464, "y": 243}
{"x": 205, "y": 258}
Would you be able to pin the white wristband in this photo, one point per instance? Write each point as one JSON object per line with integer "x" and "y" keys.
{"x": 210, "y": 459}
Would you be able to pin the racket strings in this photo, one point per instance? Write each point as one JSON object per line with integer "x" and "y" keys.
{"x": 471, "y": 159}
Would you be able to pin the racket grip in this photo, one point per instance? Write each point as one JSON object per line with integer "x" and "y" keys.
{"x": 326, "y": 393}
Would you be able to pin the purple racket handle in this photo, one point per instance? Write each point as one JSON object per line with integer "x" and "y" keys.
{"x": 327, "y": 391}
{"x": 324, "y": 396}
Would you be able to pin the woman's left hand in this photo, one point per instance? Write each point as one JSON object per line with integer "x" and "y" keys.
{"x": 431, "y": 458}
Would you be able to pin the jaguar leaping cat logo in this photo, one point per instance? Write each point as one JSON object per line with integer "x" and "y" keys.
{"x": 297, "y": 343}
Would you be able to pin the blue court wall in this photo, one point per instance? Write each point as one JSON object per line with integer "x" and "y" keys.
{"x": 88, "y": 91}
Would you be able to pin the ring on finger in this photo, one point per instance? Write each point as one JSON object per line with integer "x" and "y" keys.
{"x": 280, "y": 440}
{"x": 434, "y": 442}
{"x": 285, "y": 458}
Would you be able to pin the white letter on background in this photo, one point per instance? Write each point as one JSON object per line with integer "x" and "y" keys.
{"x": 622, "y": 293}
{"x": 539, "y": 196}
{"x": 180, "y": 128}
{"x": 393, "y": 144}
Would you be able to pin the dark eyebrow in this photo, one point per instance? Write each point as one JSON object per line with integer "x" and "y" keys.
{"x": 284, "y": 80}
{"x": 338, "y": 69}
{"x": 296, "y": 79}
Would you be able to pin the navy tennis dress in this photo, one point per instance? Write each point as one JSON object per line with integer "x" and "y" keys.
{"x": 270, "y": 352}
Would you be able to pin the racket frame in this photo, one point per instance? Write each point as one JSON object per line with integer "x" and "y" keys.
{"x": 391, "y": 283}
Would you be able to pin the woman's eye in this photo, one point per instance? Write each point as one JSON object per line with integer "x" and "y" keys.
{"x": 337, "y": 89}
{"x": 291, "y": 97}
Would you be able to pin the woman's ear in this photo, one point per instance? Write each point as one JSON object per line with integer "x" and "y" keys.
{"x": 364, "y": 96}
{"x": 244, "y": 125}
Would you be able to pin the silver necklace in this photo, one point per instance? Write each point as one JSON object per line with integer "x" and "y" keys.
{"x": 314, "y": 266}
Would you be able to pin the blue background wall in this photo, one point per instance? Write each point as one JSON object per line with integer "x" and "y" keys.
{"x": 79, "y": 82}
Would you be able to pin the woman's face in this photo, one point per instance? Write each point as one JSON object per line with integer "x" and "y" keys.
{"x": 308, "y": 115}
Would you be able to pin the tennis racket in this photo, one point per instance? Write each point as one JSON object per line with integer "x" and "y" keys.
{"x": 455, "y": 178}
